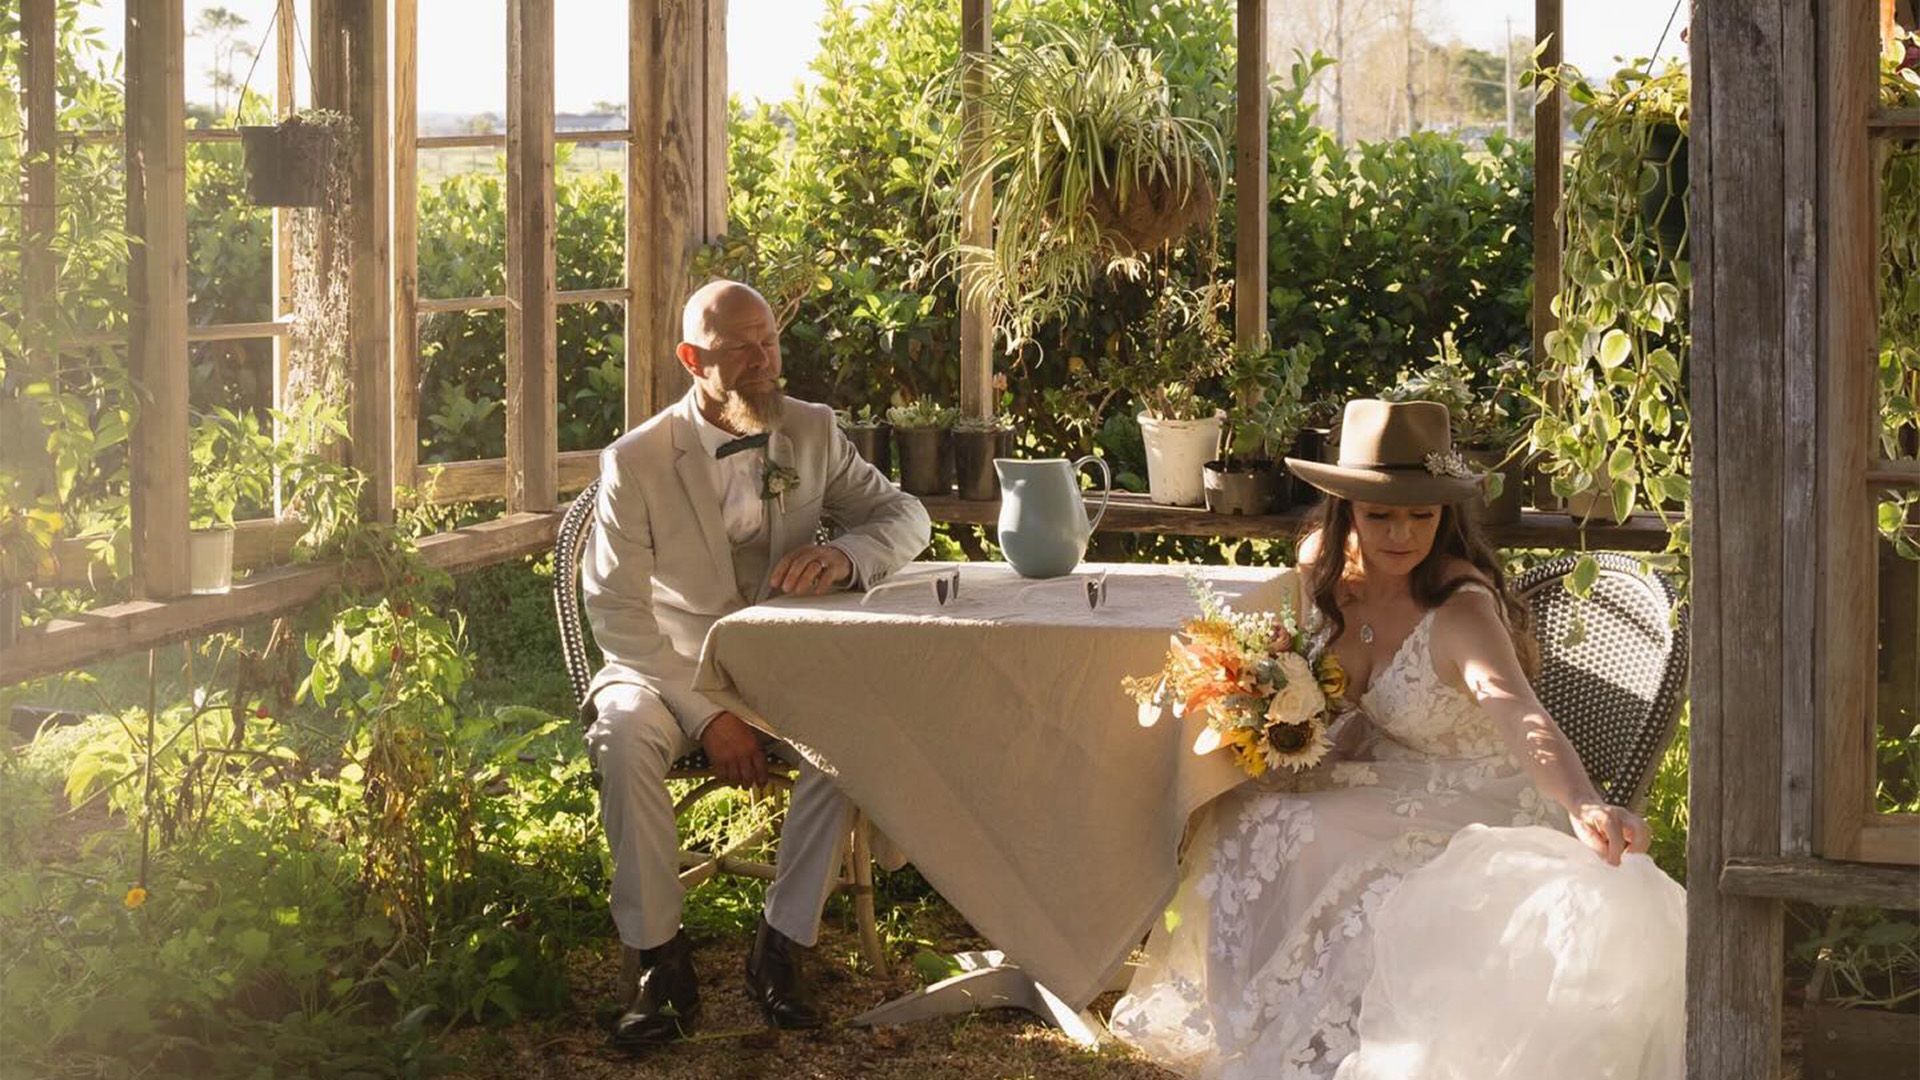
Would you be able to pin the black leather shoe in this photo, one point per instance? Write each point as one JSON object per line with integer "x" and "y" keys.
{"x": 777, "y": 980}
{"x": 666, "y": 1004}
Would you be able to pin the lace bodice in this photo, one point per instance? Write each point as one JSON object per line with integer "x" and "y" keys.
{"x": 1420, "y": 714}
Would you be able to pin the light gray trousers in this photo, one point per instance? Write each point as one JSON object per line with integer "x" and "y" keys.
{"x": 634, "y": 742}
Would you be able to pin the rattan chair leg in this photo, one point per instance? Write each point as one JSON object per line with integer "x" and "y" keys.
{"x": 861, "y": 855}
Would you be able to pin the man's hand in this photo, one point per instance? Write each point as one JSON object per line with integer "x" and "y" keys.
{"x": 811, "y": 570}
{"x": 735, "y": 751}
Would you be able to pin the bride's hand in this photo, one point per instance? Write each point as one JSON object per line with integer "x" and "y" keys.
{"x": 1611, "y": 831}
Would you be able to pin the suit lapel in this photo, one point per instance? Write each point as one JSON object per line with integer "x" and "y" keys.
{"x": 696, "y": 475}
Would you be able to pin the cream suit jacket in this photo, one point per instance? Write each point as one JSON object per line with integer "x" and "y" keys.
{"x": 659, "y": 570}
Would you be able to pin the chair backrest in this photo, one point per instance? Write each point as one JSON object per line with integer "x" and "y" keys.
{"x": 1613, "y": 666}
{"x": 576, "y": 645}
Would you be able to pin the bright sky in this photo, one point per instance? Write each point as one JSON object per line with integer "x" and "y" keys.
{"x": 463, "y": 55}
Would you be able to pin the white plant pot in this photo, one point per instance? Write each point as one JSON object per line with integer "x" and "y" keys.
{"x": 210, "y": 560}
{"x": 1177, "y": 454}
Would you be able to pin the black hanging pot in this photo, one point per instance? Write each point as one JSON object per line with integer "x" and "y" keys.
{"x": 287, "y": 163}
{"x": 926, "y": 460}
{"x": 872, "y": 444}
{"x": 973, "y": 454}
{"x": 1663, "y": 205}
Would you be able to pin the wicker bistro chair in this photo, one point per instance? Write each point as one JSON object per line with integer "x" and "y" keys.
{"x": 583, "y": 659}
{"x": 1614, "y": 667}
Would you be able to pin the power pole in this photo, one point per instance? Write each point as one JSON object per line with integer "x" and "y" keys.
{"x": 1507, "y": 51}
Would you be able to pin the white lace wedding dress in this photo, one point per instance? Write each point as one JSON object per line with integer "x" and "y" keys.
{"x": 1330, "y": 928}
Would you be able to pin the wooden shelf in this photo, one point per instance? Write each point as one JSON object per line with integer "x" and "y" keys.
{"x": 1135, "y": 513}
{"x": 78, "y": 640}
{"x": 1823, "y": 881}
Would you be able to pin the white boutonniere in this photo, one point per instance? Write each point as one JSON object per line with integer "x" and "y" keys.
{"x": 776, "y": 480}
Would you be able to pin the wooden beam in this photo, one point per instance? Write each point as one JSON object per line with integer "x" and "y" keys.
{"x": 532, "y": 430}
{"x": 1548, "y": 234}
{"x": 641, "y": 340}
{"x": 1823, "y": 882}
{"x": 285, "y": 98}
{"x": 1850, "y": 406}
{"x": 976, "y": 215}
{"x": 1736, "y": 387}
{"x": 1250, "y": 179}
{"x": 1887, "y": 122}
{"x": 405, "y": 244}
{"x": 75, "y": 641}
{"x": 1890, "y": 838}
{"x": 485, "y": 480}
{"x": 157, "y": 290}
{"x": 1134, "y": 513}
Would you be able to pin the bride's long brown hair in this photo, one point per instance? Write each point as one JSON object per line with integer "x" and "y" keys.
{"x": 1458, "y": 537}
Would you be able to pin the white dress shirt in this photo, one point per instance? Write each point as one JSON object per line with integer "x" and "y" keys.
{"x": 737, "y": 479}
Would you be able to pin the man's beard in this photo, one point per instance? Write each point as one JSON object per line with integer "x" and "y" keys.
{"x": 753, "y": 413}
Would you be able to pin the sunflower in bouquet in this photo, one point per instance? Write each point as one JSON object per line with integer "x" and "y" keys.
{"x": 1250, "y": 676}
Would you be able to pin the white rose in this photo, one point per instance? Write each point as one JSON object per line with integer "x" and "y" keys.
{"x": 1301, "y": 698}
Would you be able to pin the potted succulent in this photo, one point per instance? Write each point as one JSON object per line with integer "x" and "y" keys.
{"x": 1246, "y": 478}
{"x": 977, "y": 440}
{"x": 232, "y": 470}
{"x": 293, "y": 162}
{"x": 868, "y": 434}
{"x": 1092, "y": 163}
{"x": 922, "y": 431}
{"x": 1488, "y": 424}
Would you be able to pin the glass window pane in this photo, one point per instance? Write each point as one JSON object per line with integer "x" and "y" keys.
{"x": 229, "y": 241}
{"x": 590, "y": 79}
{"x": 590, "y": 218}
{"x": 1898, "y": 690}
{"x": 463, "y": 375}
{"x": 462, "y": 223}
{"x": 591, "y": 366}
{"x": 462, "y": 67}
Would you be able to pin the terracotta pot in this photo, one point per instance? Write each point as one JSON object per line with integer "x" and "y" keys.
{"x": 873, "y": 445}
{"x": 1245, "y": 487}
{"x": 973, "y": 454}
{"x": 926, "y": 460}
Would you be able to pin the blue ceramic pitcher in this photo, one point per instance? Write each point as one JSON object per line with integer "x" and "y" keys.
{"x": 1043, "y": 517}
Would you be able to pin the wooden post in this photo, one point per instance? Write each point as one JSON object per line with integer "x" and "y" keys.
{"x": 976, "y": 216}
{"x": 714, "y": 108}
{"x": 1850, "y": 410}
{"x": 1250, "y": 179}
{"x": 642, "y": 337}
{"x": 369, "y": 311}
{"x": 284, "y": 101}
{"x": 1738, "y": 389}
{"x": 1547, "y": 185}
{"x": 157, "y": 292}
{"x": 533, "y": 466}
{"x": 406, "y": 242}
{"x": 39, "y": 36}
{"x": 679, "y": 178}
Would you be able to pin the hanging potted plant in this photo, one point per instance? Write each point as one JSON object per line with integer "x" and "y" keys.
{"x": 976, "y": 442}
{"x": 232, "y": 465}
{"x": 923, "y": 432}
{"x": 292, "y": 163}
{"x": 1266, "y": 386}
{"x": 1091, "y": 165}
{"x": 868, "y": 433}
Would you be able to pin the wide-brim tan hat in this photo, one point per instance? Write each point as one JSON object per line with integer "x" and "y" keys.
{"x": 1399, "y": 453}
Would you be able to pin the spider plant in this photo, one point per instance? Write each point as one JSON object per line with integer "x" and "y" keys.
{"x": 1091, "y": 170}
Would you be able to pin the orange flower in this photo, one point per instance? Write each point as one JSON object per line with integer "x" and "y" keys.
{"x": 135, "y": 897}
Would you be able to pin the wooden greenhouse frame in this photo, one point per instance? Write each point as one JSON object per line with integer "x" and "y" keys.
{"x": 1785, "y": 137}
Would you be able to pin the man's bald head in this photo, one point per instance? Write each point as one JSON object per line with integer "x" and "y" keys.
{"x": 720, "y": 306}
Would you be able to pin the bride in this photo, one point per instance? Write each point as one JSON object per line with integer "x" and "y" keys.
{"x": 1414, "y": 907}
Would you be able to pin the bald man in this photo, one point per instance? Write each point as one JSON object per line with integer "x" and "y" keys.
{"x": 686, "y": 532}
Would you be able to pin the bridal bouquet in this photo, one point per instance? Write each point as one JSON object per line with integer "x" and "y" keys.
{"x": 1250, "y": 675}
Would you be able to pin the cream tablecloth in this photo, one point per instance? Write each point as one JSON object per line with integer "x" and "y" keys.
{"x": 991, "y": 740}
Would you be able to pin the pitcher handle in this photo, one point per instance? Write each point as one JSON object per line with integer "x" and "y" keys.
{"x": 1106, "y": 487}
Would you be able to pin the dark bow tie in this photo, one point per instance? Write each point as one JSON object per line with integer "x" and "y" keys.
{"x": 734, "y": 446}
